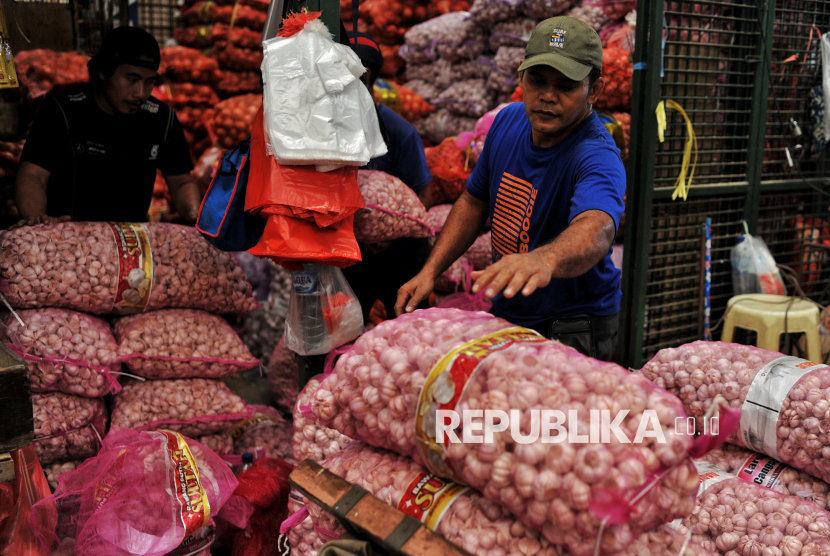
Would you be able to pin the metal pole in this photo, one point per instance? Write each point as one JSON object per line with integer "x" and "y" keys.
{"x": 648, "y": 57}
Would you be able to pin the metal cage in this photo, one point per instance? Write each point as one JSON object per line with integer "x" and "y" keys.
{"x": 745, "y": 72}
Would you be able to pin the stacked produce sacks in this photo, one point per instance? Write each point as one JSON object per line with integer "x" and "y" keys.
{"x": 40, "y": 70}
{"x": 167, "y": 281}
{"x": 781, "y": 444}
{"x": 531, "y": 497}
{"x": 191, "y": 75}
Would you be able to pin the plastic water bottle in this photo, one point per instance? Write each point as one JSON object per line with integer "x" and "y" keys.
{"x": 247, "y": 462}
{"x": 308, "y": 290}
{"x": 744, "y": 276}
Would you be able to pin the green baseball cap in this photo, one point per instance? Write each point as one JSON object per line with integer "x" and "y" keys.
{"x": 566, "y": 44}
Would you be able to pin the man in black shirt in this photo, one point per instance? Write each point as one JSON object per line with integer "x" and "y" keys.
{"x": 93, "y": 149}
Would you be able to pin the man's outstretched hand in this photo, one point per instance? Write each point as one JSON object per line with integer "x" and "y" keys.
{"x": 413, "y": 292}
{"x": 40, "y": 220}
{"x": 525, "y": 272}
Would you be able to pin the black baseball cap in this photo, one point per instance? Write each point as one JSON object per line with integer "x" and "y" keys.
{"x": 566, "y": 44}
{"x": 129, "y": 45}
{"x": 368, "y": 50}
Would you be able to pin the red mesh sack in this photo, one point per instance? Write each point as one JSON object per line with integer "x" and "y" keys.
{"x": 208, "y": 12}
{"x": 616, "y": 70}
{"x": 264, "y": 485}
{"x": 188, "y": 65}
{"x": 261, "y": 5}
{"x": 184, "y": 94}
{"x": 625, "y": 121}
{"x": 145, "y": 494}
{"x": 192, "y": 118}
{"x": 413, "y": 106}
{"x": 389, "y": 21}
{"x": 233, "y": 120}
{"x": 617, "y": 9}
{"x": 66, "y": 351}
{"x": 40, "y": 70}
{"x": 231, "y": 83}
{"x": 235, "y": 58}
{"x": 392, "y": 62}
{"x": 450, "y": 169}
{"x": 181, "y": 343}
{"x": 448, "y": 6}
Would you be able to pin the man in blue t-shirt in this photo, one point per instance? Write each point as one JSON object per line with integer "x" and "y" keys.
{"x": 552, "y": 182}
{"x": 385, "y": 267}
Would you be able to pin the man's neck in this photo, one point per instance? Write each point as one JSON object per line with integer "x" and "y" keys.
{"x": 548, "y": 141}
{"x": 103, "y": 104}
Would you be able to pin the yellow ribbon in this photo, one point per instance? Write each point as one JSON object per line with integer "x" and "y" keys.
{"x": 682, "y": 185}
{"x": 233, "y": 19}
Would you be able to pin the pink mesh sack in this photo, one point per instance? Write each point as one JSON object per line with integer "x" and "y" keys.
{"x": 119, "y": 268}
{"x": 392, "y": 210}
{"x": 312, "y": 441}
{"x": 191, "y": 406}
{"x": 266, "y": 432}
{"x": 145, "y": 494}
{"x": 181, "y": 343}
{"x": 66, "y": 351}
{"x": 388, "y": 389}
{"x": 67, "y": 426}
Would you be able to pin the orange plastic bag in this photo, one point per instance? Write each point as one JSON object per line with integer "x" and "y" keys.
{"x": 291, "y": 241}
{"x": 17, "y": 538}
{"x": 450, "y": 167}
{"x": 298, "y": 191}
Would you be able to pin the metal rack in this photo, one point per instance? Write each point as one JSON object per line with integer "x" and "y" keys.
{"x": 723, "y": 62}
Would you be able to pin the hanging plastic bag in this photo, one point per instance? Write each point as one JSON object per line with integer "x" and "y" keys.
{"x": 309, "y": 78}
{"x": 298, "y": 191}
{"x": 754, "y": 269}
{"x": 323, "y": 311}
{"x": 16, "y": 500}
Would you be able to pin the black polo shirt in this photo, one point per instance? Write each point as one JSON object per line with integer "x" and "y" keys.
{"x": 103, "y": 166}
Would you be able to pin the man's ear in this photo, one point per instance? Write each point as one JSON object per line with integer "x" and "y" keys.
{"x": 596, "y": 90}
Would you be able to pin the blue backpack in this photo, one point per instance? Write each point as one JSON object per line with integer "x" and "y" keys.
{"x": 222, "y": 218}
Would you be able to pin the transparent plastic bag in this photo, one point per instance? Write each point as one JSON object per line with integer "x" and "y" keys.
{"x": 323, "y": 311}
{"x": 754, "y": 269}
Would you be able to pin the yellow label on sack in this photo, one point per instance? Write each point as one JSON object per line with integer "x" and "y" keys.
{"x": 193, "y": 501}
{"x": 253, "y": 422}
{"x": 445, "y": 385}
{"x": 135, "y": 268}
{"x": 428, "y": 497}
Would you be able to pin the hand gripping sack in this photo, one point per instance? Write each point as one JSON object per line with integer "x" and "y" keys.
{"x": 309, "y": 78}
{"x": 223, "y": 221}
{"x": 145, "y": 494}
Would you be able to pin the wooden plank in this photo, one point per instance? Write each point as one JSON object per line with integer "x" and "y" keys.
{"x": 17, "y": 423}
{"x": 369, "y": 518}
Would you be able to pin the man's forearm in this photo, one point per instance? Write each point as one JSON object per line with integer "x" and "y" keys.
{"x": 30, "y": 193}
{"x": 458, "y": 234}
{"x": 186, "y": 200}
{"x": 581, "y": 246}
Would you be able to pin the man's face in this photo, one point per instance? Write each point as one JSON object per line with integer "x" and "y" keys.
{"x": 553, "y": 102}
{"x": 129, "y": 87}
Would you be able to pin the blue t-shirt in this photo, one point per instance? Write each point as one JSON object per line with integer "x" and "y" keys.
{"x": 534, "y": 193}
{"x": 405, "y": 158}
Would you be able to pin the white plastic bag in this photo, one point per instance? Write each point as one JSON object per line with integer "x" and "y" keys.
{"x": 323, "y": 311}
{"x": 317, "y": 111}
{"x": 754, "y": 269}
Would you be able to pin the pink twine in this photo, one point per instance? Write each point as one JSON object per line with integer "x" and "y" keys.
{"x": 242, "y": 364}
{"x": 330, "y": 357}
{"x": 402, "y": 215}
{"x": 325, "y": 533}
{"x": 115, "y": 387}
{"x": 97, "y": 427}
{"x": 202, "y": 419}
{"x": 293, "y": 520}
{"x": 305, "y": 411}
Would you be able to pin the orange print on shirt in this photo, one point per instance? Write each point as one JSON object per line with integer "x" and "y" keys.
{"x": 511, "y": 216}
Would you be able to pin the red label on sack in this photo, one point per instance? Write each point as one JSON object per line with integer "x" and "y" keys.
{"x": 445, "y": 384}
{"x": 762, "y": 470}
{"x": 135, "y": 268}
{"x": 428, "y": 497}
{"x": 193, "y": 502}
{"x": 110, "y": 482}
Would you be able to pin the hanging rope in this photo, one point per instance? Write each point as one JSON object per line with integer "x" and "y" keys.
{"x": 682, "y": 185}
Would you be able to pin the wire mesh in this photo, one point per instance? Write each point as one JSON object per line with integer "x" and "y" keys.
{"x": 795, "y": 72}
{"x": 673, "y": 314}
{"x": 707, "y": 72}
{"x": 158, "y": 17}
{"x": 796, "y": 227}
